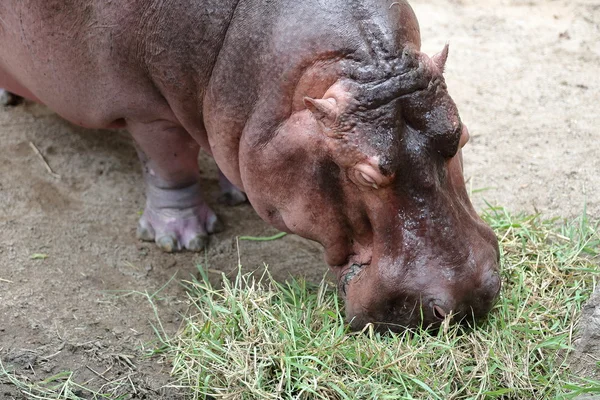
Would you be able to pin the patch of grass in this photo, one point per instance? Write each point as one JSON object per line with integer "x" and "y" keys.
{"x": 256, "y": 338}
{"x": 59, "y": 386}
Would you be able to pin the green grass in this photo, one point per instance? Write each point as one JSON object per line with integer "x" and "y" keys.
{"x": 59, "y": 386}
{"x": 254, "y": 338}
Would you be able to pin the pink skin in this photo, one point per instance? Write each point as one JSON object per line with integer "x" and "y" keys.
{"x": 376, "y": 227}
{"x": 336, "y": 127}
{"x": 175, "y": 216}
{"x": 106, "y": 84}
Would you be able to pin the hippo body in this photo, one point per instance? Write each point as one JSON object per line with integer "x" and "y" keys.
{"x": 325, "y": 113}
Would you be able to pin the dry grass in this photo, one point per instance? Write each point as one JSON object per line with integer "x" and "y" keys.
{"x": 59, "y": 386}
{"x": 258, "y": 339}
{"x": 255, "y": 338}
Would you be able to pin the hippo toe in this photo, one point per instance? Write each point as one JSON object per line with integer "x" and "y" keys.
{"x": 177, "y": 219}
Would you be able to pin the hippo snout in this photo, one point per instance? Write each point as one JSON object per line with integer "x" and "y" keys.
{"x": 467, "y": 302}
{"x": 395, "y": 298}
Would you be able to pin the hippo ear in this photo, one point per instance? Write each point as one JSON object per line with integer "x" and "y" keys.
{"x": 440, "y": 58}
{"x": 322, "y": 109}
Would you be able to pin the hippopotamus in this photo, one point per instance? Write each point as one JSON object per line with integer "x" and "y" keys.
{"x": 324, "y": 113}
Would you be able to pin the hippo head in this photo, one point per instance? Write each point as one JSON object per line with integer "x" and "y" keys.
{"x": 372, "y": 169}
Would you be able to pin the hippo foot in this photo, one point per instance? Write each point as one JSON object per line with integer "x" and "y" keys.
{"x": 177, "y": 219}
{"x": 9, "y": 99}
{"x": 230, "y": 195}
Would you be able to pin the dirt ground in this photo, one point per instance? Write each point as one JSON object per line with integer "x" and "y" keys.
{"x": 523, "y": 73}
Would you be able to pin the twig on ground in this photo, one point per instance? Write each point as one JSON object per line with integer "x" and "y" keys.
{"x": 263, "y": 238}
{"x": 101, "y": 375}
{"x": 41, "y": 156}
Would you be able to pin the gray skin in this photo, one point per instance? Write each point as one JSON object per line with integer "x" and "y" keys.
{"x": 325, "y": 113}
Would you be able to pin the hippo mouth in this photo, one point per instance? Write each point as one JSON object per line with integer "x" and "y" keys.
{"x": 348, "y": 274}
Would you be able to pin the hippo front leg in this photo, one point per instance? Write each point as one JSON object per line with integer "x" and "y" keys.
{"x": 176, "y": 215}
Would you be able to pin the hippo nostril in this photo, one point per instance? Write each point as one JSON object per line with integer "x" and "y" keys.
{"x": 439, "y": 312}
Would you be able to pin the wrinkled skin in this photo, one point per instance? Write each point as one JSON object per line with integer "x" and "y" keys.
{"x": 325, "y": 113}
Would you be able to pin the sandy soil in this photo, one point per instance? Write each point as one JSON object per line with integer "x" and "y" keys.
{"x": 525, "y": 77}
{"x": 523, "y": 73}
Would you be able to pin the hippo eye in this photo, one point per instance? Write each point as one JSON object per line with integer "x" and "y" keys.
{"x": 439, "y": 312}
{"x": 366, "y": 179}
{"x": 366, "y": 175}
